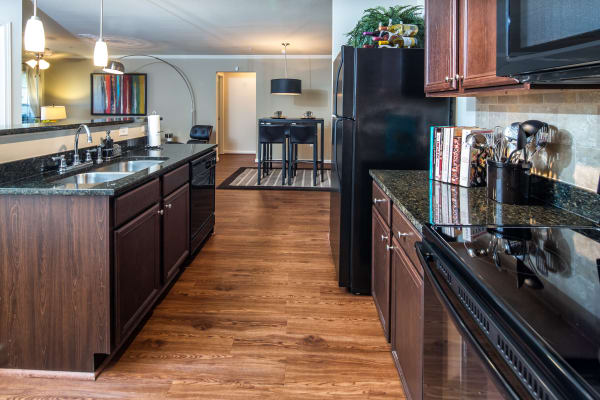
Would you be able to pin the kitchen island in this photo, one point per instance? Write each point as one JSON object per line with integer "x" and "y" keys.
{"x": 83, "y": 264}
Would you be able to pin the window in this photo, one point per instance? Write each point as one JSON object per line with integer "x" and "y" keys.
{"x": 5, "y": 75}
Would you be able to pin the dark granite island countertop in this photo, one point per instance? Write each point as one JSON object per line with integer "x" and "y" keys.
{"x": 171, "y": 155}
{"x": 411, "y": 192}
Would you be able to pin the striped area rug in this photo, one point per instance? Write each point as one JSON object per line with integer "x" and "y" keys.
{"x": 245, "y": 178}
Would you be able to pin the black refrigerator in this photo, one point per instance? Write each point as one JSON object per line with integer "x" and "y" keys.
{"x": 381, "y": 120}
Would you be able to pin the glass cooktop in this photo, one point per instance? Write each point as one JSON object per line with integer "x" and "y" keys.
{"x": 548, "y": 278}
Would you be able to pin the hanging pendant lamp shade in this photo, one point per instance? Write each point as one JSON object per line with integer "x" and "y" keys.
{"x": 34, "y": 38}
{"x": 100, "y": 54}
{"x": 286, "y": 86}
{"x": 100, "y": 49}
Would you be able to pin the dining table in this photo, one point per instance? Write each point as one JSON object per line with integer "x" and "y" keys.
{"x": 320, "y": 122}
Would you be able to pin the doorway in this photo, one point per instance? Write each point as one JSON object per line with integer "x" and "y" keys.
{"x": 236, "y": 112}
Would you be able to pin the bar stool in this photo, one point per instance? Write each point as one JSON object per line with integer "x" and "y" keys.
{"x": 301, "y": 134}
{"x": 267, "y": 136}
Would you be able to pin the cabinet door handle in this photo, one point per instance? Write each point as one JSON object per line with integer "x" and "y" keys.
{"x": 449, "y": 79}
{"x": 161, "y": 212}
{"x": 168, "y": 205}
{"x": 389, "y": 247}
{"x": 384, "y": 238}
{"x": 375, "y": 201}
{"x": 404, "y": 234}
{"x": 459, "y": 77}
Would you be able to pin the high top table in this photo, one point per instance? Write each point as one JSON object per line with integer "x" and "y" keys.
{"x": 302, "y": 121}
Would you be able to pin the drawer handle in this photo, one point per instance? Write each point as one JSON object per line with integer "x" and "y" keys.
{"x": 168, "y": 205}
{"x": 389, "y": 247}
{"x": 384, "y": 238}
{"x": 161, "y": 212}
{"x": 375, "y": 201}
{"x": 404, "y": 234}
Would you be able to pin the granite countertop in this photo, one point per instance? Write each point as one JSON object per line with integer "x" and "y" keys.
{"x": 172, "y": 156}
{"x": 422, "y": 200}
{"x": 19, "y": 129}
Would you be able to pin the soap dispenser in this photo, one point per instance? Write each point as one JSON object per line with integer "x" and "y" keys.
{"x": 108, "y": 145}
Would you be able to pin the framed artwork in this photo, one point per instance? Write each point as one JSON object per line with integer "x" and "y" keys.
{"x": 119, "y": 94}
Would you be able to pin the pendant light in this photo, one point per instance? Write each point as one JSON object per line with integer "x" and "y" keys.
{"x": 35, "y": 40}
{"x": 286, "y": 86}
{"x": 101, "y": 50}
{"x": 115, "y": 67}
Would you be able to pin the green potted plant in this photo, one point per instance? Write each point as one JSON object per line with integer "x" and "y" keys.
{"x": 371, "y": 18}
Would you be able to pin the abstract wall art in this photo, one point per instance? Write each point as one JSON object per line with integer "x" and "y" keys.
{"x": 119, "y": 94}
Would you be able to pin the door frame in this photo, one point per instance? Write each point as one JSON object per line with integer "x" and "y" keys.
{"x": 221, "y": 113}
{"x": 219, "y": 118}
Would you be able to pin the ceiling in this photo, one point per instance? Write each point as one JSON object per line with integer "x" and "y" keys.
{"x": 187, "y": 27}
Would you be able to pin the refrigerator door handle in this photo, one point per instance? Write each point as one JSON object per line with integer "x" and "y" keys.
{"x": 334, "y": 146}
{"x": 335, "y": 94}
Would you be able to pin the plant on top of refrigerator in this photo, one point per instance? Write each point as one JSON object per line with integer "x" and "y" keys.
{"x": 373, "y": 18}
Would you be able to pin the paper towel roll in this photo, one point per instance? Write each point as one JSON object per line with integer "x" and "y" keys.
{"x": 153, "y": 124}
{"x": 154, "y": 139}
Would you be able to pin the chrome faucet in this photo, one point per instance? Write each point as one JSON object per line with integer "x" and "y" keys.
{"x": 84, "y": 127}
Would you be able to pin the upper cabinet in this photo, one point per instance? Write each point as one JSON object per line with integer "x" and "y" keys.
{"x": 441, "y": 50}
{"x": 477, "y": 49}
{"x": 461, "y": 47}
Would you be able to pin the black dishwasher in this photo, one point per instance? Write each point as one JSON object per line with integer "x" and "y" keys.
{"x": 202, "y": 199}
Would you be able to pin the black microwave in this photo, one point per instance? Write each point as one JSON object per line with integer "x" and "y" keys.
{"x": 549, "y": 41}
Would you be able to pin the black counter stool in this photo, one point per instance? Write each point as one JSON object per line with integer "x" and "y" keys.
{"x": 302, "y": 134}
{"x": 267, "y": 136}
{"x": 200, "y": 134}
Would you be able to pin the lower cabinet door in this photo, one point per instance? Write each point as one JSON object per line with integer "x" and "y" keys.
{"x": 176, "y": 231}
{"x": 407, "y": 320}
{"x": 380, "y": 270}
{"x": 137, "y": 269}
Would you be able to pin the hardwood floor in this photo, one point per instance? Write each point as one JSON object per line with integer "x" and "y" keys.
{"x": 257, "y": 315}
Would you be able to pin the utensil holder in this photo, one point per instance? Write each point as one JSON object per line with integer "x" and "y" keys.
{"x": 508, "y": 183}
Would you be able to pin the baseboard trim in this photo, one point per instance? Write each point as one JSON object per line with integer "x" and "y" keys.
{"x": 34, "y": 373}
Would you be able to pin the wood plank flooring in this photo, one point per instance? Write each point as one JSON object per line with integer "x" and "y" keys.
{"x": 257, "y": 315}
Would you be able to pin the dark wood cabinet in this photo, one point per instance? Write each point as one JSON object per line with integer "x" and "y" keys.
{"x": 137, "y": 269}
{"x": 175, "y": 231}
{"x": 397, "y": 288}
{"x": 380, "y": 269}
{"x": 441, "y": 46}
{"x": 477, "y": 32}
{"x": 460, "y": 48}
{"x": 407, "y": 320}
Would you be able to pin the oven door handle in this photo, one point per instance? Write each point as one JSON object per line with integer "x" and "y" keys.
{"x": 427, "y": 257}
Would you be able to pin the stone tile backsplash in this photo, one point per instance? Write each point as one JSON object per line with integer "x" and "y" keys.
{"x": 573, "y": 154}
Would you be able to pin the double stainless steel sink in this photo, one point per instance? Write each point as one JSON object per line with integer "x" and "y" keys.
{"x": 109, "y": 173}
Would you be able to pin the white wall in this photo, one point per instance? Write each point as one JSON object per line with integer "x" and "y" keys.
{"x": 67, "y": 82}
{"x": 11, "y": 12}
{"x": 240, "y": 113}
{"x": 346, "y": 13}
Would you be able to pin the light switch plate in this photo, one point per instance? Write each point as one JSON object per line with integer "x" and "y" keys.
{"x": 123, "y": 131}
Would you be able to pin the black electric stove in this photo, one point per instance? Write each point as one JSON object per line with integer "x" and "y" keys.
{"x": 540, "y": 286}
